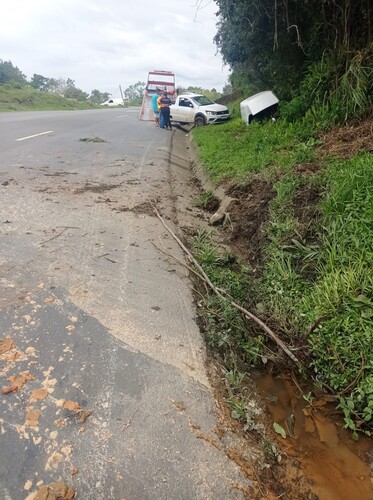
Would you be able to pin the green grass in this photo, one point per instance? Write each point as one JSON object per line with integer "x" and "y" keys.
{"x": 226, "y": 330}
{"x": 204, "y": 199}
{"x": 235, "y": 150}
{"x": 29, "y": 99}
{"x": 342, "y": 345}
{"x": 339, "y": 295}
{"x": 316, "y": 285}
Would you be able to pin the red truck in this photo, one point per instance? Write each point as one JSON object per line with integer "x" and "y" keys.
{"x": 157, "y": 79}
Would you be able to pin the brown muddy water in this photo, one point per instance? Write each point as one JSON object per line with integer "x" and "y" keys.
{"x": 338, "y": 467}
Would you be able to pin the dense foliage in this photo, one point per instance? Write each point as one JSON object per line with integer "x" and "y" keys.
{"x": 276, "y": 44}
{"x": 134, "y": 93}
{"x": 10, "y": 73}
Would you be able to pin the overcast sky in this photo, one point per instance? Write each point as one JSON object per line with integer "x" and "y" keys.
{"x": 103, "y": 43}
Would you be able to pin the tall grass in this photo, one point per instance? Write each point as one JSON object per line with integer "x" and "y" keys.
{"x": 342, "y": 345}
{"x": 333, "y": 90}
{"x": 338, "y": 298}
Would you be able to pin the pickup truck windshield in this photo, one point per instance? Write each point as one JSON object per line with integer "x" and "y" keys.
{"x": 202, "y": 100}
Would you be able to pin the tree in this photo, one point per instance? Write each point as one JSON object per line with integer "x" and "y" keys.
{"x": 53, "y": 85}
{"x": 99, "y": 97}
{"x": 11, "y": 74}
{"x": 227, "y": 89}
{"x": 213, "y": 94}
{"x": 273, "y": 43}
{"x": 72, "y": 92}
{"x": 39, "y": 82}
{"x": 135, "y": 93}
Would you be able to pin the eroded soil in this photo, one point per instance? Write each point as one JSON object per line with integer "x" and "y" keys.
{"x": 348, "y": 141}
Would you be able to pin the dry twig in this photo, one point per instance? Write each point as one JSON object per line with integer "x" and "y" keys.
{"x": 207, "y": 280}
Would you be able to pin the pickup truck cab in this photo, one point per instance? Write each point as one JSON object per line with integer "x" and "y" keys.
{"x": 197, "y": 109}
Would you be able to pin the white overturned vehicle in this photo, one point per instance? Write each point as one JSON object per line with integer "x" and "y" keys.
{"x": 259, "y": 106}
{"x": 198, "y": 110}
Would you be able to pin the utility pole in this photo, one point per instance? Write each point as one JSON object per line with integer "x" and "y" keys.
{"x": 121, "y": 93}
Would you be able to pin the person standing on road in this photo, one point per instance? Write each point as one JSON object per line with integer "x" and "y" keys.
{"x": 155, "y": 106}
{"x": 165, "y": 103}
{"x": 161, "y": 124}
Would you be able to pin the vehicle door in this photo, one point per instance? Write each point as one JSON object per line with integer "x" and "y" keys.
{"x": 184, "y": 112}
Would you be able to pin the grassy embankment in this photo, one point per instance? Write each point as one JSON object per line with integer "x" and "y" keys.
{"x": 29, "y": 99}
{"x": 314, "y": 281}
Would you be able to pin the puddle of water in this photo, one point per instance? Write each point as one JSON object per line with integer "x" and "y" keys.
{"x": 337, "y": 465}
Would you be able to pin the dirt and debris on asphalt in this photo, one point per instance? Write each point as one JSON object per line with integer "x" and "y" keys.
{"x": 107, "y": 384}
{"x": 101, "y": 358}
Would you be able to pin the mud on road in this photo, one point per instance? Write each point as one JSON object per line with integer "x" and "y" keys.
{"x": 102, "y": 365}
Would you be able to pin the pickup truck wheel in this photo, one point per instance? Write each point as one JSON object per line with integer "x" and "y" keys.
{"x": 199, "y": 121}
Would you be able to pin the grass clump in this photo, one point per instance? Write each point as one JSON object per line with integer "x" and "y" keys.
{"x": 330, "y": 310}
{"x": 206, "y": 200}
{"x": 226, "y": 330}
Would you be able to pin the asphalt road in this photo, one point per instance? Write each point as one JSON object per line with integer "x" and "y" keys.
{"x": 99, "y": 319}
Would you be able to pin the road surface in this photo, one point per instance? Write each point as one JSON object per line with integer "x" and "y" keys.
{"x": 99, "y": 345}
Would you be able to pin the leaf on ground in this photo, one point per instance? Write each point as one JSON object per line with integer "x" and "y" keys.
{"x": 12, "y": 356}
{"x": 279, "y": 429}
{"x": 49, "y": 299}
{"x": 6, "y": 345}
{"x": 179, "y": 405}
{"x": 83, "y": 415}
{"x": 70, "y": 328}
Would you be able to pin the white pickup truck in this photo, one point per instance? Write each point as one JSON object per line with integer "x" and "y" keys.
{"x": 197, "y": 109}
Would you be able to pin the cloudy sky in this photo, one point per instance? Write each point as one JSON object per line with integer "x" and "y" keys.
{"x": 103, "y": 43}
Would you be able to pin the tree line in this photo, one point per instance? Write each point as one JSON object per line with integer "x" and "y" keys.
{"x": 65, "y": 87}
{"x": 11, "y": 74}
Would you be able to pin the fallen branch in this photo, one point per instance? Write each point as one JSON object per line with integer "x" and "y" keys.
{"x": 190, "y": 269}
{"x": 207, "y": 280}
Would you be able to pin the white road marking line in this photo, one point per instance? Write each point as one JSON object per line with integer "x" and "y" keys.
{"x": 35, "y": 135}
{"x": 121, "y": 116}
